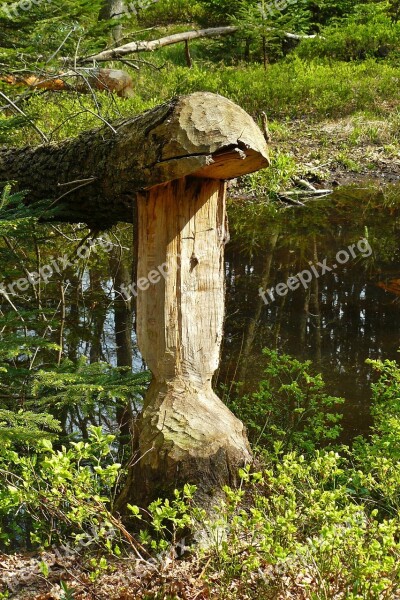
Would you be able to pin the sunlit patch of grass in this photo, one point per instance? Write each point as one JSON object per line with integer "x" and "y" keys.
{"x": 275, "y": 177}
{"x": 347, "y": 162}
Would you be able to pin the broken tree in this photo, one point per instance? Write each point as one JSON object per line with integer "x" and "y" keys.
{"x": 79, "y": 80}
{"x": 117, "y": 53}
{"x": 168, "y": 167}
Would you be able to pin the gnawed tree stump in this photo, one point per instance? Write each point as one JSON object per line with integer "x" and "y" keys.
{"x": 182, "y": 226}
{"x": 173, "y": 161}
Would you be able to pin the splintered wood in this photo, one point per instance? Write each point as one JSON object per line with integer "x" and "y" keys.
{"x": 182, "y": 227}
{"x": 182, "y": 233}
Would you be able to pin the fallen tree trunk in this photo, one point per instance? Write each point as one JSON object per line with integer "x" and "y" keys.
{"x": 173, "y": 161}
{"x": 150, "y": 46}
{"x": 95, "y": 177}
{"x": 82, "y": 81}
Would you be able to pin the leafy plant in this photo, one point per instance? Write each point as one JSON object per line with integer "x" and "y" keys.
{"x": 59, "y": 495}
{"x": 294, "y": 525}
{"x": 275, "y": 178}
{"x": 68, "y": 593}
{"x": 379, "y": 456}
{"x": 290, "y": 410}
{"x": 168, "y": 518}
{"x": 366, "y": 32}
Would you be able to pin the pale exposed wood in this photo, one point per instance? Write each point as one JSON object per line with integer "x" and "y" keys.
{"x": 150, "y": 46}
{"x": 298, "y": 36}
{"x": 182, "y": 226}
{"x": 186, "y": 433}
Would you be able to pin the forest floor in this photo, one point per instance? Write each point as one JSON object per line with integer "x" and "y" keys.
{"x": 22, "y": 578}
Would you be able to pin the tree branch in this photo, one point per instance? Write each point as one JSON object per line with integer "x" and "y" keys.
{"x": 150, "y": 46}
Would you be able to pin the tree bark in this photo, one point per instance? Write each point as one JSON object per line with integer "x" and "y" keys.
{"x": 94, "y": 177}
{"x": 113, "y": 9}
{"x": 188, "y": 57}
{"x": 123, "y": 325}
{"x": 173, "y": 160}
{"x": 98, "y": 315}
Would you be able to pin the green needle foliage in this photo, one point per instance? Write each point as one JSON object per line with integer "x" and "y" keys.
{"x": 8, "y": 126}
{"x": 26, "y": 427}
{"x": 263, "y": 24}
{"x": 48, "y": 29}
{"x": 89, "y": 389}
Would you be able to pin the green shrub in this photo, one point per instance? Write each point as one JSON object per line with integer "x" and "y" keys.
{"x": 54, "y": 496}
{"x": 328, "y": 524}
{"x": 317, "y": 526}
{"x": 295, "y": 527}
{"x": 275, "y": 177}
{"x": 290, "y": 409}
{"x": 165, "y": 12}
{"x": 377, "y": 38}
{"x": 292, "y": 88}
{"x": 86, "y": 388}
{"x": 379, "y": 456}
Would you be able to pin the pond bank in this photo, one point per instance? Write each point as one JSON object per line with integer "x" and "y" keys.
{"x": 341, "y": 151}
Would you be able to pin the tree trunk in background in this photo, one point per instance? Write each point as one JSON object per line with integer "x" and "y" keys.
{"x": 123, "y": 335}
{"x": 303, "y": 320}
{"x": 98, "y": 315}
{"x": 254, "y": 322}
{"x": 72, "y": 338}
{"x": 316, "y": 310}
{"x": 280, "y": 302}
{"x": 113, "y": 9}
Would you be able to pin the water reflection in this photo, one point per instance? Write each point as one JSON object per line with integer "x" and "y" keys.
{"x": 342, "y": 318}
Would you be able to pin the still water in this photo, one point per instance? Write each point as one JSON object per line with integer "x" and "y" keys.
{"x": 338, "y": 319}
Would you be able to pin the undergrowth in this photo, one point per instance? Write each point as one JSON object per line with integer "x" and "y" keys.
{"x": 308, "y": 521}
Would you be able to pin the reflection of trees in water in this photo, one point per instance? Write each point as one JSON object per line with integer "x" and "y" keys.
{"x": 77, "y": 308}
{"x": 341, "y": 319}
